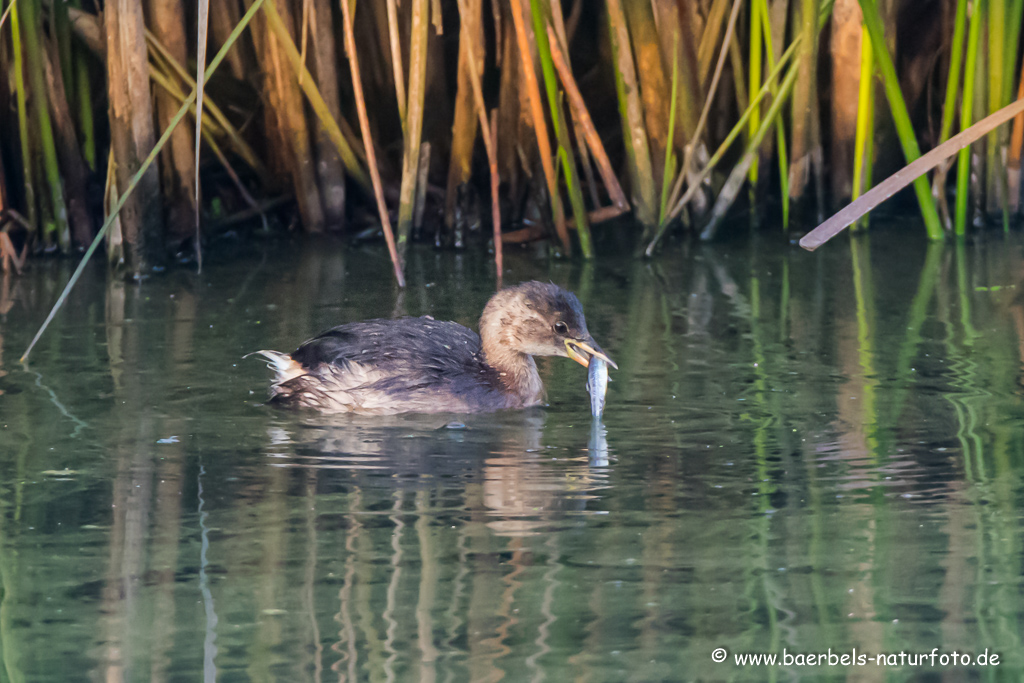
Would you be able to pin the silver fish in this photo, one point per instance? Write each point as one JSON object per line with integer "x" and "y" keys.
{"x": 597, "y": 384}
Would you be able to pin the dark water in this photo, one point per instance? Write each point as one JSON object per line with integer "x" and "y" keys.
{"x": 800, "y": 452}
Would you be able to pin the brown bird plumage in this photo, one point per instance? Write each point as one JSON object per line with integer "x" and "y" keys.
{"x": 428, "y": 366}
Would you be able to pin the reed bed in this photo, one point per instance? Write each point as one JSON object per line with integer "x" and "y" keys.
{"x": 501, "y": 123}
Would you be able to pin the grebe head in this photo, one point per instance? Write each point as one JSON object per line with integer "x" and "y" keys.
{"x": 537, "y": 319}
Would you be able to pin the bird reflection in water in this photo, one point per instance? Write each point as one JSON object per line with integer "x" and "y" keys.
{"x": 494, "y": 464}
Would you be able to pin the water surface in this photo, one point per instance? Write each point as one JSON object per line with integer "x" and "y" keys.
{"x": 800, "y": 451}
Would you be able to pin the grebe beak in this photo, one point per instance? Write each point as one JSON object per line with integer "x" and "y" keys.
{"x": 582, "y": 351}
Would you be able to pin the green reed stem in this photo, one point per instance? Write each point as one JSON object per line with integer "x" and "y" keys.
{"x": 540, "y": 13}
{"x": 21, "y": 97}
{"x": 963, "y": 168}
{"x": 780, "y": 132}
{"x": 697, "y": 134}
{"x": 956, "y": 60}
{"x": 695, "y": 184}
{"x": 83, "y": 94}
{"x": 994, "y": 169}
{"x": 670, "y": 157}
{"x": 756, "y": 48}
{"x": 1014, "y": 26}
{"x": 182, "y": 111}
{"x": 900, "y": 115}
{"x": 863, "y": 151}
{"x": 864, "y": 296}
{"x": 732, "y": 186}
{"x": 912, "y": 338}
{"x": 60, "y": 232}
{"x": 62, "y": 37}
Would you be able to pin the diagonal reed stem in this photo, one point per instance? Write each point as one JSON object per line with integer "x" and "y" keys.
{"x": 371, "y": 154}
{"x": 906, "y": 175}
{"x": 182, "y": 111}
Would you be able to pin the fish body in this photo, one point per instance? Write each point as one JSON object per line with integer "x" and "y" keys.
{"x": 597, "y": 385}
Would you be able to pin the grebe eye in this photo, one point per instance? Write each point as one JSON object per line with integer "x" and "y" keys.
{"x": 561, "y": 328}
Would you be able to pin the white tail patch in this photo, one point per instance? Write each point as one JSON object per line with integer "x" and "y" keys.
{"x": 281, "y": 363}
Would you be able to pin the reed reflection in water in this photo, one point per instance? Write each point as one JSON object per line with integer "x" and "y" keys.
{"x": 800, "y": 452}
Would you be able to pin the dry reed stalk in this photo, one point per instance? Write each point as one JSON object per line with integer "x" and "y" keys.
{"x": 111, "y": 198}
{"x": 21, "y": 105}
{"x": 132, "y": 135}
{"x": 202, "y": 34}
{"x": 464, "y": 127}
{"x": 337, "y": 130}
{"x": 419, "y": 33}
{"x": 674, "y": 20}
{"x": 556, "y": 28}
{"x": 330, "y": 171}
{"x": 737, "y": 176}
{"x": 59, "y": 233}
{"x": 539, "y": 10}
{"x": 134, "y": 183}
{"x": 1014, "y": 155}
{"x": 655, "y": 88}
{"x": 802, "y": 137}
{"x": 589, "y": 132}
{"x": 217, "y": 122}
{"x": 499, "y": 258}
{"x": 243, "y": 192}
{"x": 11, "y": 258}
{"x": 224, "y": 17}
{"x": 540, "y": 126}
{"x": 709, "y": 38}
{"x": 422, "y": 176}
{"x": 845, "y": 49}
{"x": 908, "y": 174}
{"x": 286, "y": 113}
{"x": 178, "y": 160}
{"x": 84, "y": 96}
{"x": 396, "y": 60}
{"x": 685, "y": 171}
{"x": 488, "y": 127}
{"x": 513, "y": 110}
{"x": 307, "y": 16}
{"x": 202, "y": 31}
{"x": 371, "y": 154}
{"x": 641, "y": 174}
{"x": 76, "y": 173}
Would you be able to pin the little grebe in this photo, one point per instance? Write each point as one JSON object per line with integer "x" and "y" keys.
{"x": 425, "y": 366}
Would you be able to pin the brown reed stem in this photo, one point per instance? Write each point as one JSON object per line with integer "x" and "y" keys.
{"x": 540, "y": 126}
{"x": 420, "y": 31}
{"x": 371, "y": 154}
{"x": 590, "y": 135}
